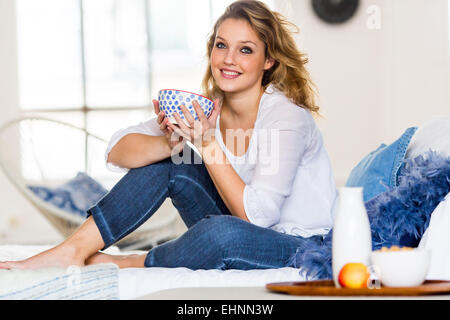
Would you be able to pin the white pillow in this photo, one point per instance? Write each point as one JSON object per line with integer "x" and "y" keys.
{"x": 437, "y": 239}
{"x": 433, "y": 134}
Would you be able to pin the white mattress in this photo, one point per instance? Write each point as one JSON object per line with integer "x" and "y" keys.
{"x": 138, "y": 282}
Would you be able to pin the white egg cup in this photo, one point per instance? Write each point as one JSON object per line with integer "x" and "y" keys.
{"x": 404, "y": 268}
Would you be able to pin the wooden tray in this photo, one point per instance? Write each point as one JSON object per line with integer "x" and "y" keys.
{"x": 327, "y": 288}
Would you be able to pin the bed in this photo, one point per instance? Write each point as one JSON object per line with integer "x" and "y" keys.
{"x": 108, "y": 282}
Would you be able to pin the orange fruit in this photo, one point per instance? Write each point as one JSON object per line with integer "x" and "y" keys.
{"x": 354, "y": 275}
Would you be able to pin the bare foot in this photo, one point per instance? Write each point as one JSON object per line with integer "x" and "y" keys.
{"x": 122, "y": 261}
{"x": 85, "y": 242}
{"x": 56, "y": 257}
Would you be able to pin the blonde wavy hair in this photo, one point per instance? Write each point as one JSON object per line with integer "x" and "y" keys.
{"x": 288, "y": 74}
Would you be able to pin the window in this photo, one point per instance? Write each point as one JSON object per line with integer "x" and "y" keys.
{"x": 98, "y": 64}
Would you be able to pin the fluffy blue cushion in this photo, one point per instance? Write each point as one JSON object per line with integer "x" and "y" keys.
{"x": 378, "y": 171}
{"x": 76, "y": 196}
{"x": 405, "y": 210}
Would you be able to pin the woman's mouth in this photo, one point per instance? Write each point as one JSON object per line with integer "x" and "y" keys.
{"x": 229, "y": 74}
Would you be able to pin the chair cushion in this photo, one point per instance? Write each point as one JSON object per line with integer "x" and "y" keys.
{"x": 75, "y": 196}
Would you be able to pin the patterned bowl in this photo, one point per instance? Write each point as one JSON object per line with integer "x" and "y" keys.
{"x": 171, "y": 99}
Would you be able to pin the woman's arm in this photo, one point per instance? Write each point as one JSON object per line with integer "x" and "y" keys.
{"x": 228, "y": 183}
{"x": 137, "y": 150}
{"x": 144, "y": 144}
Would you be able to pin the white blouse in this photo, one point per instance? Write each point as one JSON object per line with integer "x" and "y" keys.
{"x": 289, "y": 183}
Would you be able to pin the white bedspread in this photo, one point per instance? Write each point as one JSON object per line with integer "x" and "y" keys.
{"x": 137, "y": 282}
{"x": 96, "y": 282}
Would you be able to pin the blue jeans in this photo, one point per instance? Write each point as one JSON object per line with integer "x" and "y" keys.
{"x": 214, "y": 240}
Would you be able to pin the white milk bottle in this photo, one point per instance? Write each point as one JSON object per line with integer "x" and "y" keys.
{"x": 352, "y": 240}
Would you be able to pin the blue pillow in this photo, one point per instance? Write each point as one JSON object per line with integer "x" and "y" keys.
{"x": 378, "y": 171}
{"x": 76, "y": 196}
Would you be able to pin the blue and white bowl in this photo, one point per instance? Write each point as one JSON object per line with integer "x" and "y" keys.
{"x": 170, "y": 101}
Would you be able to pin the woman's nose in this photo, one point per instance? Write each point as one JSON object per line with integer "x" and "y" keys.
{"x": 229, "y": 57}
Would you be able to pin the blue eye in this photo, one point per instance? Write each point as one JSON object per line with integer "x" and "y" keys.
{"x": 220, "y": 45}
{"x": 246, "y": 50}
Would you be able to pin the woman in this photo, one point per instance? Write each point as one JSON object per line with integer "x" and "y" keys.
{"x": 248, "y": 207}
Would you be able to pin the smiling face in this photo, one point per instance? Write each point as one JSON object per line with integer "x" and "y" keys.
{"x": 238, "y": 58}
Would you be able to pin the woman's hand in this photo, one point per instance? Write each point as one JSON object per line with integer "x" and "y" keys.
{"x": 174, "y": 140}
{"x": 199, "y": 132}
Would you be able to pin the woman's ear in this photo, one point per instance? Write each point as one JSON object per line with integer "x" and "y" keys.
{"x": 269, "y": 63}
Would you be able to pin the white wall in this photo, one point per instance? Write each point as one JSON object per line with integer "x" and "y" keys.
{"x": 418, "y": 70}
{"x": 373, "y": 85}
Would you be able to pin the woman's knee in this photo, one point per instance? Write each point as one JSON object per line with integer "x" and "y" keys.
{"x": 222, "y": 231}
{"x": 218, "y": 222}
{"x": 184, "y": 177}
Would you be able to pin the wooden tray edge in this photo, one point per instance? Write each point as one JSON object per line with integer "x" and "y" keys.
{"x": 327, "y": 288}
